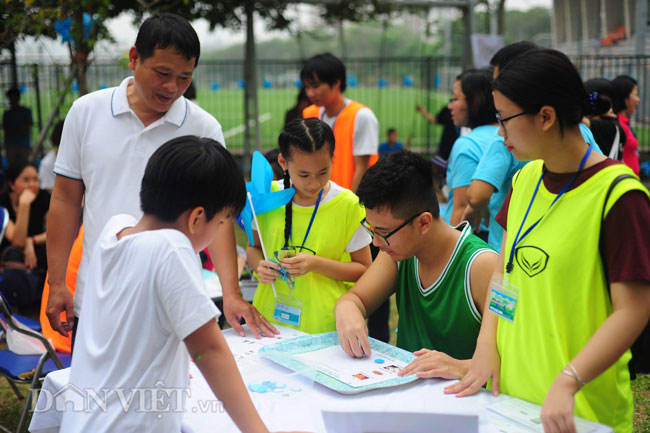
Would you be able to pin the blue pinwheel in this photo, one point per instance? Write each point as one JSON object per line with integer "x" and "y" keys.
{"x": 259, "y": 192}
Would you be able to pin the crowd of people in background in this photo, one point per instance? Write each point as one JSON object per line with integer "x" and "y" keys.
{"x": 541, "y": 204}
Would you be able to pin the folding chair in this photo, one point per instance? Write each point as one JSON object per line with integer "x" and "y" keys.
{"x": 14, "y": 366}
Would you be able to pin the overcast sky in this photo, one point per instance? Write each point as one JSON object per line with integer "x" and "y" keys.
{"x": 125, "y": 32}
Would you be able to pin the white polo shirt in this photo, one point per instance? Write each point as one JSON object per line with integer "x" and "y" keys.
{"x": 106, "y": 146}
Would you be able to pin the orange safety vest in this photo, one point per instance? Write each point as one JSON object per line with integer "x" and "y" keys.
{"x": 343, "y": 163}
{"x": 61, "y": 343}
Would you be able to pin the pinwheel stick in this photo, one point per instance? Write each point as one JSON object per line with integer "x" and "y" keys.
{"x": 250, "y": 200}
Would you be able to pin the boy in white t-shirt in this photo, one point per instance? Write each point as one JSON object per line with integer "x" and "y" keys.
{"x": 148, "y": 297}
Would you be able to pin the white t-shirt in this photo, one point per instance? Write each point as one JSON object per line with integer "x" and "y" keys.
{"x": 359, "y": 239}
{"x": 46, "y": 170}
{"x": 146, "y": 295}
{"x": 366, "y": 130}
{"x": 106, "y": 146}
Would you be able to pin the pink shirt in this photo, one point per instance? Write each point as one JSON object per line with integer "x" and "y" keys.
{"x": 630, "y": 150}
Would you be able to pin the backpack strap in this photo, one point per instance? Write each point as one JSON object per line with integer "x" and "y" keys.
{"x": 609, "y": 192}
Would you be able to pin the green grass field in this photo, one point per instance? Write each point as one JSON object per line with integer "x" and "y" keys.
{"x": 394, "y": 108}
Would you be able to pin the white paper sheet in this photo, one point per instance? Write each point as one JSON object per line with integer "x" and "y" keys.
{"x": 356, "y": 372}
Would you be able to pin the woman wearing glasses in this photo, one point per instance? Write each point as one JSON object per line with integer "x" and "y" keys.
{"x": 575, "y": 257}
{"x": 315, "y": 245}
{"x": 472, "y": 106}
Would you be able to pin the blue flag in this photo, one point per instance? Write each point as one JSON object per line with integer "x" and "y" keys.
{"x": 260, "y": 190}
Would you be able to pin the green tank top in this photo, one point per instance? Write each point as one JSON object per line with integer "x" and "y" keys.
{"x": 441, "y": 317}
{"x": 564, "y": 296}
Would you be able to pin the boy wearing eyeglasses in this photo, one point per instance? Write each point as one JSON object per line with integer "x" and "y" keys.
{"x": 439, "y": 273}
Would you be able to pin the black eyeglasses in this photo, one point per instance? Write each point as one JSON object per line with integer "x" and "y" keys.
{"x": 502, "y": 121}
{"x": 384, "y": 238}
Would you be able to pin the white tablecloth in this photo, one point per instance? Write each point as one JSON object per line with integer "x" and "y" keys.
{"x": 299, "y": 403}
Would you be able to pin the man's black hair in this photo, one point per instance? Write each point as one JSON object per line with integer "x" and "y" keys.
{"x": 506, "y": 54}
{"x": 401, "y": 182}
{"x": 166, "y": 30}
{"x": 390, "y": 131}
{"x": 326, "y": 67}
{"x": 188, "y": 172}
{"x": 12, "y": 91}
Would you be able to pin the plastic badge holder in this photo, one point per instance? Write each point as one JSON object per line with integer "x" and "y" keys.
{"x": 282, "y": 352}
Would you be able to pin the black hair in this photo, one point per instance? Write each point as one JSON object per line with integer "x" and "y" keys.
{"x": 187, "y": 172}
{"x": 167, "y": 30}
{"x": 308, "y": 135}
{"x": 401, "y": 182}
{"x": 390, "y": 131}
{"x": 12, "y": 91}
{"x": 623, "y": 84}
{"x": 326, "y": 67}
{"x": 272, "y": 157}
{"x": 302, "y": 95}
{"x": 476, "y": 85}
{"x": 601, "y": 88}
{"x": 506, "y": 54}
{"x": 14, "y": 170}
{"x": 56, "y": 133}
{"x": 547, "y": 77}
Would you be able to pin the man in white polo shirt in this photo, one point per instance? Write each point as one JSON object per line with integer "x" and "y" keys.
{"x": 107, "y": 140}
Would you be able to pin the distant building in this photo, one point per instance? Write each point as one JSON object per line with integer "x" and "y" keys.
{"x": 599, "y": 26}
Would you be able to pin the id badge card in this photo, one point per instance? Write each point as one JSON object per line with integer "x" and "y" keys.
{"x": 288, "y": 309}
{"x": 503, "y": 297}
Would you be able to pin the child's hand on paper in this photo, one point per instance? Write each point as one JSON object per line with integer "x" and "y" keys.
{"x": 300, "y": 264}
{"x": 352, "y": 330}
{"x": 267, "y": 271}
{"x": 557, "y": 411}
{"x": 485, "y": 365}
{"x": 431, "y": 363}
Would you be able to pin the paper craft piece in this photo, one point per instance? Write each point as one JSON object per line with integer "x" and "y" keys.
{"x": 356, "y": 372}
{"x": 260, "y": 190}
{"x": 527, "y": 416}
{"x": 245, "y": 347}
{"x": 320, "y": 358}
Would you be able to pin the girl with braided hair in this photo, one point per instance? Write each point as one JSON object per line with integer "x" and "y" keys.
{"x": 316, "y": 246}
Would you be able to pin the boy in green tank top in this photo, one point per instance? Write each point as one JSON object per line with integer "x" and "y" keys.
{"x": 439, "y": 273}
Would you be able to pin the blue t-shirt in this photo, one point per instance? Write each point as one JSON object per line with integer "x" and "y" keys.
{"x": 464, "y": 158}
{"x": 497, "y": 167}
{"x": 385, "y": 148}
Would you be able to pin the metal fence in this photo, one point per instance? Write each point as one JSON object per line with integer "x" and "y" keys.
{"x": 391, "y": 87}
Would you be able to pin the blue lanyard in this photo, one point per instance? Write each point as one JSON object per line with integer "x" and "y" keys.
{"x": 311, "y": 221}
{"x": 518, "y": 239}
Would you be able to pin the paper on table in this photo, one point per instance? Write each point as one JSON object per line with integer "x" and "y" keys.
{"x": 243, "y": 347}
{"x": 527, "y": 414}
{"x": 356, "y": 372}
{"x": 398, "y": 422}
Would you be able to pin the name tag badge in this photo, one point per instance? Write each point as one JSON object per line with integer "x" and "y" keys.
{"x": 288, "y": 310}
{"x": 503, "y": 297}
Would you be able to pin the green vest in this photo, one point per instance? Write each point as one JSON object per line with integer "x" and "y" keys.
{"x": 441, "y": 317}
{"x": 564, "y": 296}
{"x": 334, "y": 224}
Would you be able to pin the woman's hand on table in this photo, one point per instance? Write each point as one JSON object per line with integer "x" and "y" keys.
{"x": 485, "y": 365}
{"x": 557, "y": 411}
{"x": 431, "y": 363}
